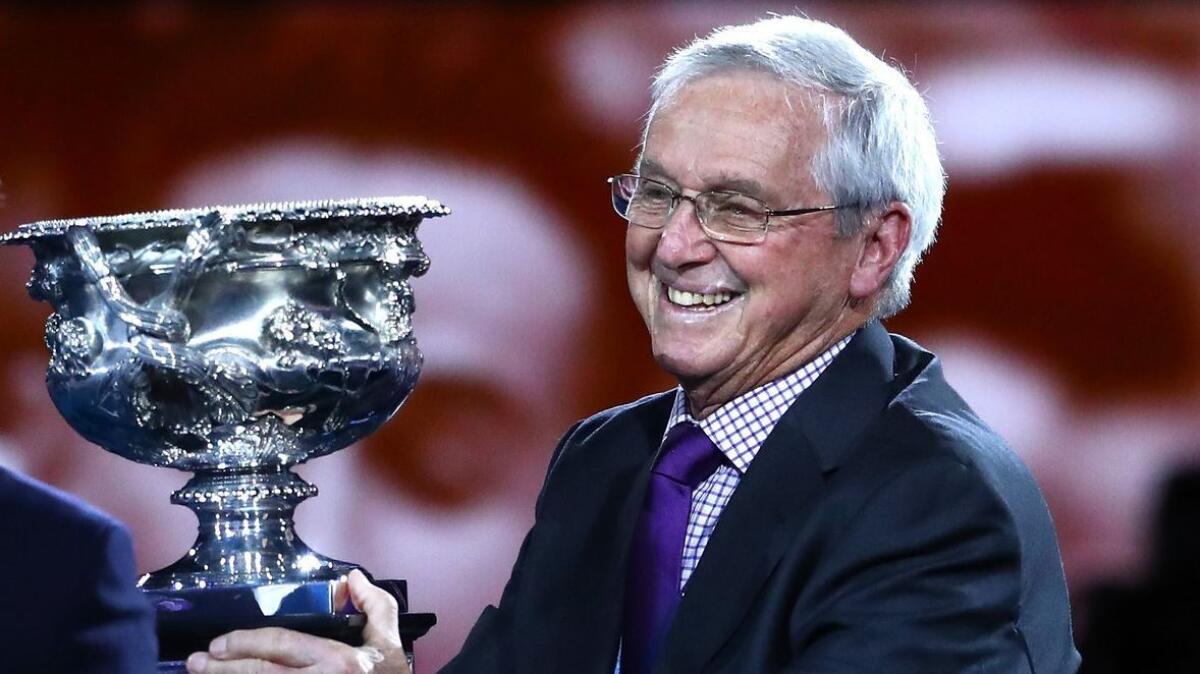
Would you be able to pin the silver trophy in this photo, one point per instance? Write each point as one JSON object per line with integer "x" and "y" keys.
{"x": 236, "y": 342}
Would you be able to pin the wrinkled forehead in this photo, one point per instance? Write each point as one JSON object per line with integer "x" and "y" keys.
{"x": 732, "y": 128}
{"x": 808, "y": 107}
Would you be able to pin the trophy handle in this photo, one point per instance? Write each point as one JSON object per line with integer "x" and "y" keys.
{"x": 161, "y": 331}
{"x": 164, "y": 323}
{"x": 213, "y": 233}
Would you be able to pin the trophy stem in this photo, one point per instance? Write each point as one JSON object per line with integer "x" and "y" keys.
{"x": 246, "y": 535}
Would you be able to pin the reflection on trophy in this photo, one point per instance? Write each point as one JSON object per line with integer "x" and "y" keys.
{"x": 236, "y": 342}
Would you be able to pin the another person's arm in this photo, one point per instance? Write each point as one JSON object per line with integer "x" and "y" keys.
{"x": 114, "y": 625}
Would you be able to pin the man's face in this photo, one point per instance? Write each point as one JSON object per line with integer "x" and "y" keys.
{"x": 774, "y": 302}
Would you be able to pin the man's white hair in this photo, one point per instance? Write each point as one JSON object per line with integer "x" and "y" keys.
{"x": 880, "y": 146}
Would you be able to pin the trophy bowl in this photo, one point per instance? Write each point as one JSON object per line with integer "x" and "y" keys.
{"x": 234, "y": 342}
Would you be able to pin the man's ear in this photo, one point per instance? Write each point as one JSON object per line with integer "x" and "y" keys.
{"x": 885, "y": 238}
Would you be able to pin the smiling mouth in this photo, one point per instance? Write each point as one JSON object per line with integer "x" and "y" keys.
{"x": 690, "y": 300}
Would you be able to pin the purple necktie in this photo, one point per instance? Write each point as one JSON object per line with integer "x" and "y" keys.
{"x": 652, "y": 593}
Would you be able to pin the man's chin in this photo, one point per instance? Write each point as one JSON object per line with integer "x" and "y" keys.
{"x": 689, "y": 370}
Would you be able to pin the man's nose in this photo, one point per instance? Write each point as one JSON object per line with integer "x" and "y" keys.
{"x": 683, "y": 240}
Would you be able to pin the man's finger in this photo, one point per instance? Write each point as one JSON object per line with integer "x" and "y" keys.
{"x": 341, "y": 595}
{"x": 277, "y": 645}
{"x": 202, "y": 663}
{"x": 383, "y": 622}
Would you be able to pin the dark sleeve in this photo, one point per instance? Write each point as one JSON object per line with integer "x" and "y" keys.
{"x": 926, "y": 579}
{"x": 488, "y": 647}
{"x": 114, "y": 628}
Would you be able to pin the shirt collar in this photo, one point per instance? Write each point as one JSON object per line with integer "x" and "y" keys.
{"x": 740, "y": 426}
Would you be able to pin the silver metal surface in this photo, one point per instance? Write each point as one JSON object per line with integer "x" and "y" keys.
{"x": 233, "y": 342}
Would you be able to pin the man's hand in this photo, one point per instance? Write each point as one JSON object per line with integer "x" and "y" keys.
{"x": 275, "y": 650}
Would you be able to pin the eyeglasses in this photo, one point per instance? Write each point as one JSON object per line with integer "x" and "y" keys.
{"x": 725, "y": 216}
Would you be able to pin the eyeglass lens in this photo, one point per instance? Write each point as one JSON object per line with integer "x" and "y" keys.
{"x": 649, "y": 203}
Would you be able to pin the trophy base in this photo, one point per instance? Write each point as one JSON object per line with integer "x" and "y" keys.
{"x": 188, "y": 620}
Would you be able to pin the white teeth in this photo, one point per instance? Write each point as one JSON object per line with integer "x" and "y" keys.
{"x": 689, "y": 299}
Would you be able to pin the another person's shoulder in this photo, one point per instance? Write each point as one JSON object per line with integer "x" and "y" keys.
{"x": 86, "y": 616}
{"x": 21, "y": 493}
{"x": 33, "y": 509}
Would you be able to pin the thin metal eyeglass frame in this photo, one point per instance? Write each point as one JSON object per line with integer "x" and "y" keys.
{"x": 677, "y": 196}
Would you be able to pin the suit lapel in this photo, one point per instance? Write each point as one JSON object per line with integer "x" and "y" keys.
{"x": 766, "y": 510}
{"x": 746, "y": 545}
{"x": 602, "y": 483}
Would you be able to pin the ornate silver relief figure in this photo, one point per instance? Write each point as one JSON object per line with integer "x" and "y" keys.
{"x": 234, "y": 342}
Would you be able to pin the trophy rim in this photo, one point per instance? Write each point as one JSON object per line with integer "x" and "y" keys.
{"x": 291, "y": 211}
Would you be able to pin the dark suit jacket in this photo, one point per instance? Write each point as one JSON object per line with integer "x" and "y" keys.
{"x": 882, "y": 528}
{"x": 67, "y": 596}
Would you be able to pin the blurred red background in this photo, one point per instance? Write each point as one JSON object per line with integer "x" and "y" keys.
{"x": 1063, "y": 294}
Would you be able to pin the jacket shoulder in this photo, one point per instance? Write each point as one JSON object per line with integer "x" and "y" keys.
{"x": 927, "y": 424}
{"x": 653, "y": 407}
{"x": 645, "y": 413}
{"x": 931, "y": 421}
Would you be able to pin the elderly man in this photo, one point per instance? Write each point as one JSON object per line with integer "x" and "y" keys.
{"x": 814, "y": 497}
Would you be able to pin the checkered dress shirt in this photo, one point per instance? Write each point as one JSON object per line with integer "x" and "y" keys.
{"x": 738, "y": 428}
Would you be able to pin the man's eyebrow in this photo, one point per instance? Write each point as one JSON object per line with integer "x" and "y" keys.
{"x": 650, "y": 168}
{"x": 730, "y": 183}
{"x": 723, "y": 182}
